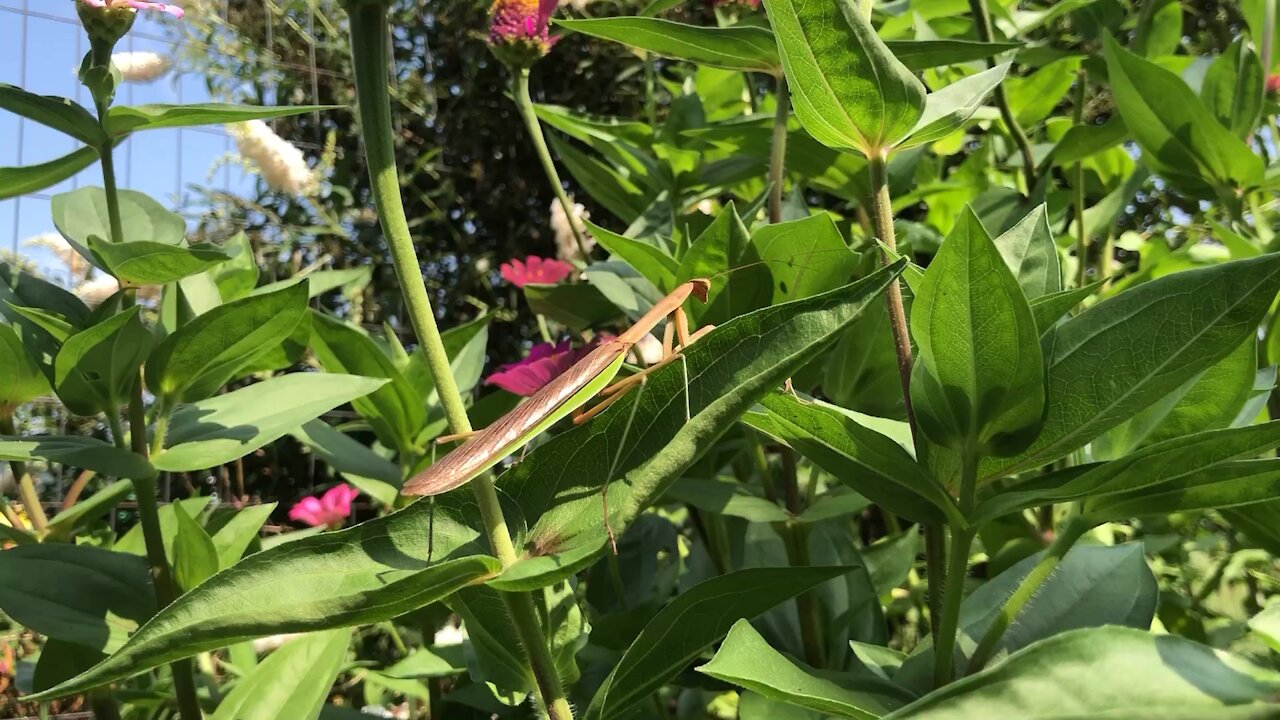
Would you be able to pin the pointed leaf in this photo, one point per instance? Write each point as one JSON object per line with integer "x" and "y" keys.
{"x": 1233, "y": 89}
{"x": 97, "y": 368}
{"x": 16, "y": 181}
{"x": 123, "y": 119}
{"x": 151, "y": 263}
{"x": 1028, "y": 249}
{"x": 77, "y": 451}
{"x": 949, "y": 109}
{"x": 292, "y": 683}
{"x": 58, "y": 113}
{"x": 736, "y": 47}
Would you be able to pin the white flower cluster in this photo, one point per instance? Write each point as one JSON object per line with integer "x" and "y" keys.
{"x": 141, "y": 67}
{"x": 280, "y": 162}
{"x": 96, "y": 290}
{"x": 566, "y": 245}
{"x": 578, "y": 5}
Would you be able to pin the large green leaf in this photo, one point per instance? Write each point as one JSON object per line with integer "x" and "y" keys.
{"x": 202, "y": 355}
{"x": 97, "y": 367}
{"x": 848, "y": 89}
{"x": 746, "y": 660}
{"x": 651, "y": 261}
{"x": 1232, "y": 484}
{"x": 691, "y": 622}
{"x": 58, "y": 113}
{"x": 394, "y": 410}
{"x": 82, "y": 214}
{"x": 195, "y": 558}
{"x": 365, "y": 574}
{"x": 605, "y": 184}
{"x": 124, "y": 119}
{"x": 143, "y": 262}
{"x": 723, "y": 246}
{"x": 1106, "y": 672}
{"x": 950, "y": 108}
{"x": 223, "y": 428}
{"x": 1029, "y": 251}
{"x": 23, "y": 380}
{"x": 76, "y": 593}
{"x": 292, "y": 683}
{"x": 645, "y": 442}
{"x": 16, "y": 181}
{"x": 1125, "y": 353}
{"x": 978, "y": 382}
{"x": 86, "y": 510}
{"x": 925, "y": 54}
{"x": 804, "y": 257}
{"x": 77, "y": 451}
{"x": 858, "y": 456}
{"x": 1180, "y": 139}
{"x": 1233, "y": 89}
{"x": 236, "y": 535}
{"x": 738, "y": 47}
{"x": 357, "y": 463}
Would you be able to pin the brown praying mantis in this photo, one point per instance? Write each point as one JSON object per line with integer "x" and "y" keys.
{"x": 566, "y": 395}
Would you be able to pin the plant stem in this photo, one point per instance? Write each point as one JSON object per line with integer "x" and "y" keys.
{"x": 798, "y": 555}
{"x": 882, "y": 217}
{"x": 26, "y": 486}
{"x": 650, "y": 91}
{"x": 982, "y": 22}
{"x": 369, "y": 49}
{"x": 1072, "y": 530}
{"x": 1077, "y": 182}
{"x": 944, "y": 665}
{"x": 778, "y": 151}
{"x": 14, "y": 521}
{"x": 524, "y": 103}
{"x": 160, "y": 430}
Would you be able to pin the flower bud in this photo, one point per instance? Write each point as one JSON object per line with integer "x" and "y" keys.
{"x": 518, "y": 30}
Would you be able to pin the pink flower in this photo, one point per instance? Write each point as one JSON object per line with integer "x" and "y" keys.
{"x": 1273, "y": 83}
{"x": 329, "y": 509}
{"x": 544, "y": 363}
{"x": 535, "y": 271}
{"x": 518, "y": 30}
{"x": 173, "y": 10}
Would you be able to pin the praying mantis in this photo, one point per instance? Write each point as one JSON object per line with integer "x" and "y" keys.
{"x": 566, "y": 395}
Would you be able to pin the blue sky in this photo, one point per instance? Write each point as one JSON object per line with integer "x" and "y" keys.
{"x": 160, "y": 163}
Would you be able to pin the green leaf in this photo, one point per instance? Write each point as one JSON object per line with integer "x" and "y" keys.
{"x": 804, "y": 257}
{"x": 725, "y": 245}
{"x": 978, "y": 382}
{"x": 736, "y": 47}
{"x": 1049, "y": 309}
{"x": 124, "y": 119}
{"x": 24, "y": 382}
{"x": 651, "y": 261}
{"x": 204, "y": 354}
{"x": 226, "y": 427}
{"x": 1105, "y": 672}
{"x": 924, "y": 54}
{"x": 1028, "y": 249}
{"x": 691, "y": 623}
{"x": 726, "y": 497}
{"x": 82, "y": 214}
{"x": 579, "y": 306}
{"x": 1266, "y": 625}
{"x": 1128, "y": 351}
{"x": 238, "y": 276}
{"x": 950, "y": 108}
{"x": 142, "y": 262}
{"x": 1233, "y": 89}
{"x": 76, "y": 593}
{"x": 1155, "y": 465}
{"x": 746, "y": 660}
{"x": 494, "y": 654}
{"x": 637, "y": 449}
{"x": 348, "y": 456}
{"x": 1033, "y": 97}
{"x": 605, "y": 184}
{"x": 1180, "y": 139}
{"x": 1084, "y": 141}
{"x": 395, "y": 411}
{"x": 365, "y": 574}
{"x": 97, "y": 368}
{"x": 860, "y": 457}
{"x": 66, "y": 522}
{"x": 77, "y": 451}
{"x": 292, "y": 683}
{"x": 862, "y": 369}
{"x": 848, "y": 89}
{"x": 195, "y": 559}
{"x": 237, "y": 534}
{"x": 58, "y": 113}
{"x": 1225, "y": 485}
{"x": 134, "y": 543}
{"x": 17, "y": 181}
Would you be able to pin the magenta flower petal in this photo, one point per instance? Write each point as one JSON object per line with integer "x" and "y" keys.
{"x": 535, "y": 271}
{"x": 173, "y": 10}
{"x": 544, "y": 363}
{"x": 330, "y": 509}
{"x": 308, "y": 510}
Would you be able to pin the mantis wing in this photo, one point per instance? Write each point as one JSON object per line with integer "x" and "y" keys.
{"x": 514, "y": 430}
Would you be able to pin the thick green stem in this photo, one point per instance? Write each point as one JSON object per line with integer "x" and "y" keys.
{"x": 524, "y": 103}
{"x": 26, "y": 486}
{"x": 982, "y": 23}
{"x": 1071, "y": 531}
{"x": 1077, "y": 182}
{"x": 369, "y": 49}
{"x": 882, "y": 218}
{"x": 944, "y": 665}
{"x": 778, "y": 151}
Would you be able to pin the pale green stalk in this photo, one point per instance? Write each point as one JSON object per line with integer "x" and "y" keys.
{"x": 778, "y": 151}
{"x": 369, "y": 49}
{"x": 957, "y": 568}
{"x": 982, "y": 23}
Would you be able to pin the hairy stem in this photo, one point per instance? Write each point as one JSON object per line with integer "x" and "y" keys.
{"x": 778, "y": 151}
{"x": 944, "y": 665}
{"x": 369, "y": 48}
{"x": 982, "y": 22}
{"x": 524, "y": 103}
{"x": 1071, "y": 531}
{"x": 882, "y": 217}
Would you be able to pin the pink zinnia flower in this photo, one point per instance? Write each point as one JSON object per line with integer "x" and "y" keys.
{"x": 535, "y": 271}
{"x": 1273, "y": 83}
{"x": 544, "y": 363}
{"x": 173, "y": 10}
{"x": 518, "y": 30}
{"x": 329, "y": 509}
